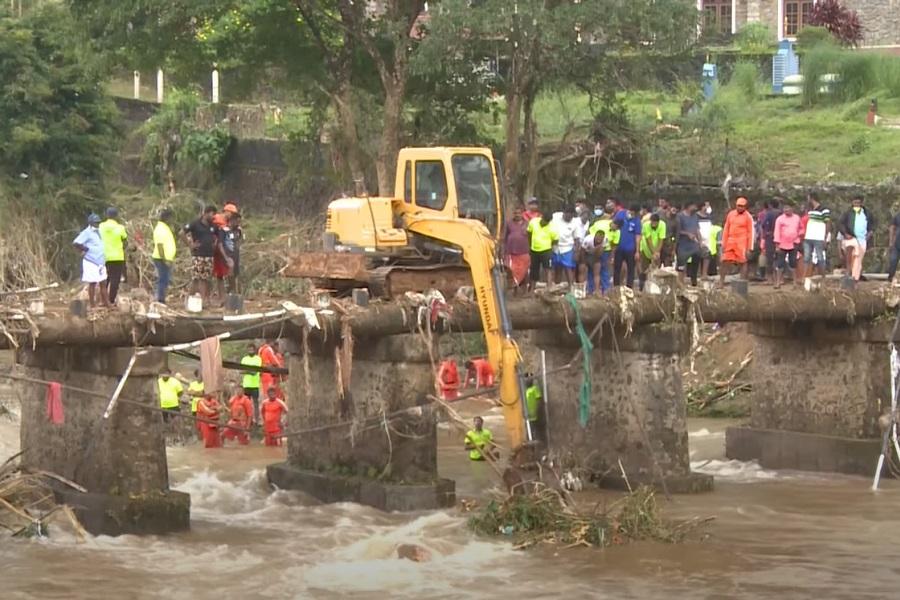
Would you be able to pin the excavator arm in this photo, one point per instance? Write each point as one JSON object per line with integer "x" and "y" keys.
{"x": 479, "y": 252}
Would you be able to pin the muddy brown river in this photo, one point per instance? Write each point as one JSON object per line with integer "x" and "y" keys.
{"x": 775, "y": 535}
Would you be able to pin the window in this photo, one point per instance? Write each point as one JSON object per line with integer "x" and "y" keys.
{"x": 475, "y": 191}
{"x": 716, "y": 17}
{"x": 431, "y": 184}
{"x": 407, "y": 182}
{"x": 796, "y": 15}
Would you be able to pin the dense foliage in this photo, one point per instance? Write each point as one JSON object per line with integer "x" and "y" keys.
{"x": 58, "y": 125}
{"x": 842, "y": 22}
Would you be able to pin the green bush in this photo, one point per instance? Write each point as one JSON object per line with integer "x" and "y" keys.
{"x": 859, "y": 75}
{"x": 810, "y": 37}
{"x": 755, "y": 38}
{"x": 745, "y": 81}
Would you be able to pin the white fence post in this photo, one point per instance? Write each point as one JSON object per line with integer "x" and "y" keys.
{"x": 160, "y": 84}
{"x": 215, "y": 85}
{"x": 137, "y": 85}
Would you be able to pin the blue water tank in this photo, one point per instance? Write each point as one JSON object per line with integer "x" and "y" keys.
{"x": 784, "y": 64}
{"x": 709, "y": 78}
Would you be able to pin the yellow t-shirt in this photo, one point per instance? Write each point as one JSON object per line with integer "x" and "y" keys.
{"x": 195, "y": 386}
{"x": 604, "y": 226}
{"x": 542, "y": 236}
{"x": 162, "y": 235}
{"x": 113, "y": 235}
{"x": 169, "y": 392}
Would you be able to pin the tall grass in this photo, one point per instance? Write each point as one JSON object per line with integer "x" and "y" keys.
{"x": 859, "y": 75}
{"x": 745, "y": 81}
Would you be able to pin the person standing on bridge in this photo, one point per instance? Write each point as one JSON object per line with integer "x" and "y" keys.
{"x": 204, "y": 241}
{"x": 272, "y": 410}
{"x": 687, "y": 248}
{"x": 653, "y": 238}
{"x": 542, "y": 240}
{"x": 164, "y": 250}
{"x": 93, "y": 260}
{"x": 815, "y": 236}
{"x": 787, "y": 237}
{"x": 856, "y": 227}
{"x": 113, "y": 235}
{"x": 737, "y": 241}
{"x": 515, "y": 245}
{"x": 563, "y": 258}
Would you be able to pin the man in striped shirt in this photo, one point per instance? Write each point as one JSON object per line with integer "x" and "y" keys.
{"x": 817, "y": 234}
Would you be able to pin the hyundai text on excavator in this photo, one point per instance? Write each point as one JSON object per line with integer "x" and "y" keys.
{"x": 445, "y": 216}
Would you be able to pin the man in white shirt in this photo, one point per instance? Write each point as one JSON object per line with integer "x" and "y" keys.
{"x": 564, "y": 255}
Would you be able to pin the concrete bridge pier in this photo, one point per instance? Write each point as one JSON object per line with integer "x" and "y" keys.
{"x": 818, "y": 390}
{"x": 637, "y": 412}
{"x": 361, "y": 428}
{"x": 121, "y": 461}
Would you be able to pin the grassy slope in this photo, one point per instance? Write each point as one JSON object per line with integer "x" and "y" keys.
{"x": 792, "y": 143}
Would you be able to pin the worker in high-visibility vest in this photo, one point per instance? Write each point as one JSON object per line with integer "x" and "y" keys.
{"x": 533, "y": 399}
{"x": 251, "y": 379}
{"x": 195, "y": 391}
{"x": 479, "y": 441}
{"x": 715, "y": 247}
{"x": 170, "y": 390}
{"x": 610, "y": 241}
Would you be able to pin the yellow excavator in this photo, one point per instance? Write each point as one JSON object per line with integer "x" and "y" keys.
{"x": 446, "y": 210}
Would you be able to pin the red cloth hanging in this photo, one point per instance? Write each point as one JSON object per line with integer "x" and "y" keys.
{"x": 54, "y": 403}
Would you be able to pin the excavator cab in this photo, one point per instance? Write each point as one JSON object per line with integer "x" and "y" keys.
{"x": 450, "y": 182}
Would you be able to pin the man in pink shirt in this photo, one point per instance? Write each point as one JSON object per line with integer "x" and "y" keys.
{"x": 787, "y": 236}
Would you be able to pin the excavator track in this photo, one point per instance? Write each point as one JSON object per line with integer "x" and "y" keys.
{"x": 341, "y": 272}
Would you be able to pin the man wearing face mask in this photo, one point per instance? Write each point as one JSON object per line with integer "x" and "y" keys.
{"x": 737, "y": 240}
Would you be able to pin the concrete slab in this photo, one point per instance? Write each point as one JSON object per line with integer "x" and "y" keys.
{"x": 779, "y": 449}
{"x": 330, "y": 487}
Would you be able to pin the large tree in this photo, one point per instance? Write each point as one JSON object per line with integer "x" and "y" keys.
{"x": 546, "y": 43}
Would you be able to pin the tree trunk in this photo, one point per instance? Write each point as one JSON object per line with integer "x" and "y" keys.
{"x": 394, "y": 91}
{"x": 834, "y": 306}
{"x": 513, "y": 139}
{"x": 346, "y": 113}
{"x": 529, "y": 177}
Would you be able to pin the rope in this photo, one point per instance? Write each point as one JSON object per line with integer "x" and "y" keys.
{"x": 587, "y": 347}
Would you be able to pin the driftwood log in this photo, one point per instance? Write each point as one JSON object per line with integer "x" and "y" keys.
{"x": 546, "y": 312}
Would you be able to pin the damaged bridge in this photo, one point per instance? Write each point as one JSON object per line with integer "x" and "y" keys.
{"x": 362, "y": 421}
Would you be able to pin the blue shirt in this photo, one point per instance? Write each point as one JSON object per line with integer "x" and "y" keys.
{"x": 860, "y": 226}
{"x": 90, "y": 239}
{"x": 631, "y": 228}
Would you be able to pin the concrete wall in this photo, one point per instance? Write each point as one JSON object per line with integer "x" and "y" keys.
{"x": 637, "y": 413}
{"x": 387, "y": 375}
{"x": 120, "y": 461}
{"x": 818, "y": 378}
{"x": 880, "y": 20}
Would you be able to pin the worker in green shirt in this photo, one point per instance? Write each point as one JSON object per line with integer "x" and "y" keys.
{"x": 653, "y": 236}
{"x": 195, "y": 391}
{"x": 480, "y": 441}
{"x": 542, "y": 239}
{"x": 250, "y": 380}
{"x": 113, "y": 235}
{"x": 533, "y": 399}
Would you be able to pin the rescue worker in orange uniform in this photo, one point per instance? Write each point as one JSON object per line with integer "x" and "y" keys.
{"x": 241, "y": 409}
{"x": 448, "y": 379}
{"x": 271, "y": 410}
{"x": 208, "y": 408}
{"x": 271, "y": 358}
{"x": 479, "y": 371}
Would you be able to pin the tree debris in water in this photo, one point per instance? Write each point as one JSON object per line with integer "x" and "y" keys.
{"x": 545, "y": 517}
{"x": 27, "y": 505}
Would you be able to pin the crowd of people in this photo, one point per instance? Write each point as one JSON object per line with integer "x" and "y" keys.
{"x": 611, "y": 244}
{"x": 214, "y": 240}
{"x": 234, "y": 420}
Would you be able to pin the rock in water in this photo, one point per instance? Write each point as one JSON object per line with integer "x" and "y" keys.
{"x": 413, "y": 552}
